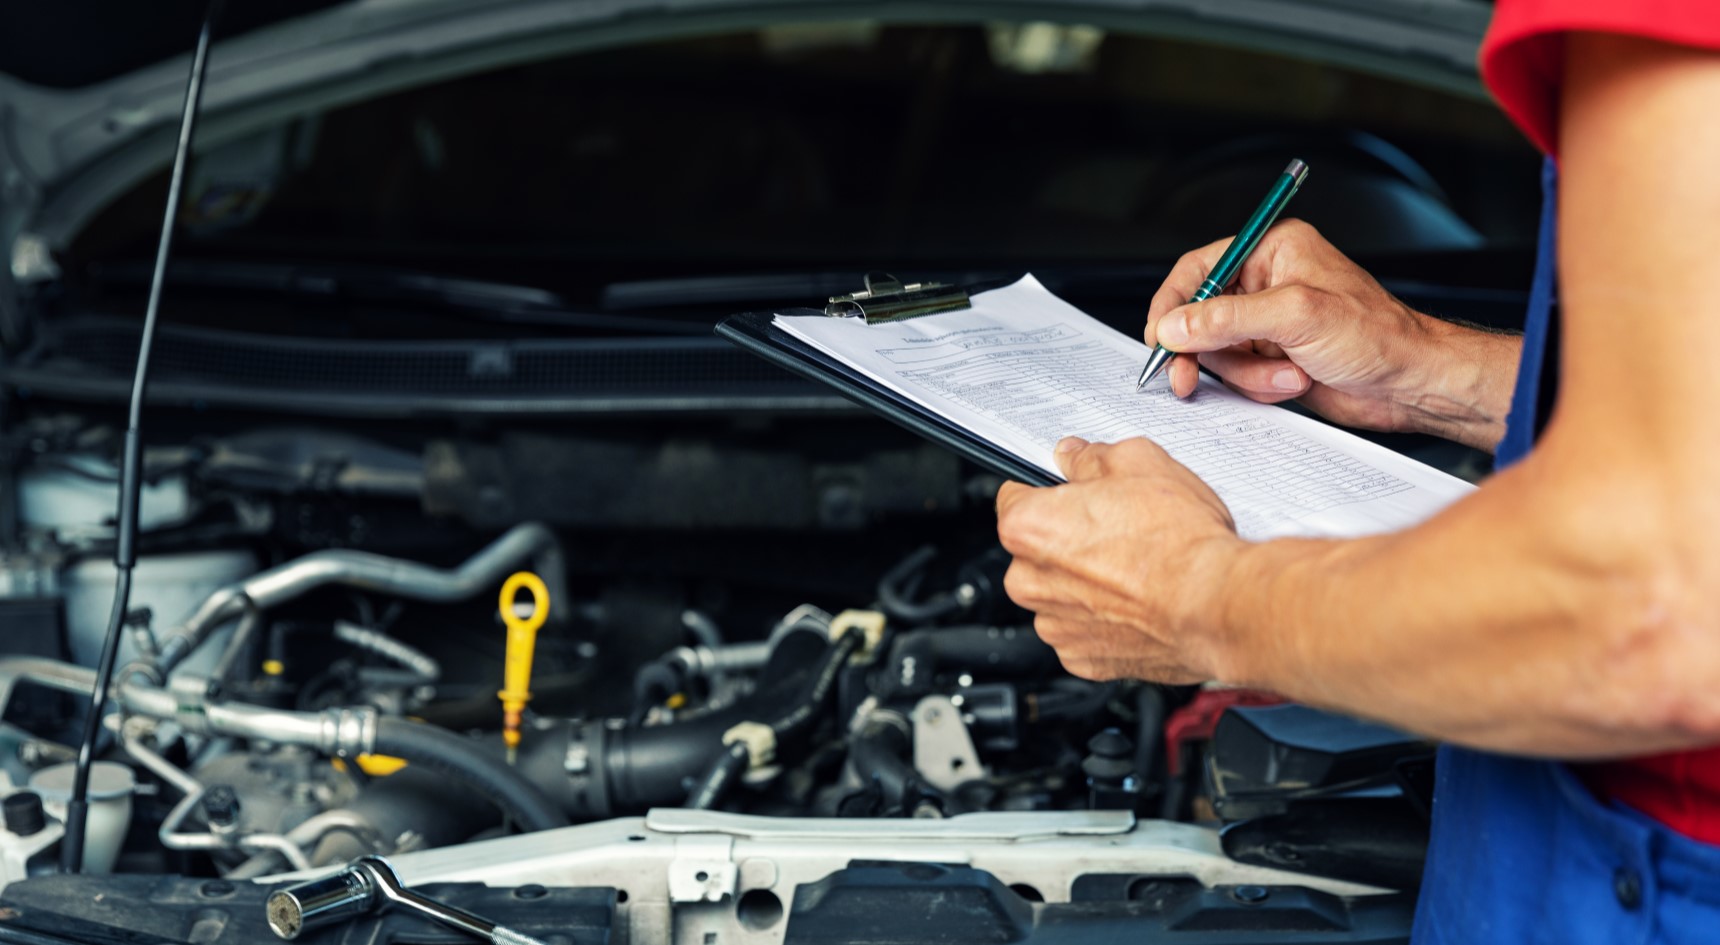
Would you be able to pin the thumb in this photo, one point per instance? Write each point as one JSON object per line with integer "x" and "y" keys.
{"x": 1282, "y": 315}
{"x": 1080, "y": 459}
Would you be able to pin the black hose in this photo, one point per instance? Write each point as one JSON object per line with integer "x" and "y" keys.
{"x": 918, "y": 656}
{"x": 896, "y": 589}
{"x": 420, "y": 801}
{"x": 446, "y": 753}
{"x": 724, "y": 773}
{"x": 879, "y": 756}
{"x": 815, "y": 698}
{"x": 1075, "y": 699}
{"x": 726, "y": 770}
{"x": 1150, "y": 714}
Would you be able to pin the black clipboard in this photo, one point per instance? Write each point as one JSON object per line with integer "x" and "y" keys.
{"x": 756, "y": 332}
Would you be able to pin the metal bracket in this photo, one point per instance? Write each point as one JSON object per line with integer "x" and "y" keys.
{"x": 703, "y": 869}
{"x": 943, "y": 751}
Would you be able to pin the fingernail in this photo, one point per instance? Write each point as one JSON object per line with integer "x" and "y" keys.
{"x": 1287, "y": 379}
{"x": 1070, "y": 444}
{"x": 1173, "y": 330}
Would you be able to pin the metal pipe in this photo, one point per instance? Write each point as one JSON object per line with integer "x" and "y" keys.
{"x": 273, "y": 842}
{"x": 332, "y": 731}
{"x": 171, "y": 837}
{"x": 305, "y": 837}
{"x": 166, "y": 770}
{"x": 339, "y": 732}
{"x": 703, "y": 628}
{"x": 377, "y": 573}
{"x": 244, "y": 633}
{"x": 41, "y": 671}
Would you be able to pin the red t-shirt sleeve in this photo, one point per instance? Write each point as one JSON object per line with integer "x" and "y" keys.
{"x": 1523, "y": 56}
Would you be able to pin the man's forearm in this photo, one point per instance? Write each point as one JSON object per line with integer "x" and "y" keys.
{"x": 1464, "y": 392}
{"x": 1574, "y": 633}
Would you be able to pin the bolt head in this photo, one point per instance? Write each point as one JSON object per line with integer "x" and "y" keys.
{"x": 1250, "y": 894}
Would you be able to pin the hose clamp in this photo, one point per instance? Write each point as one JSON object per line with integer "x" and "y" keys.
{"x": 869, "y": 624}
{"x": 346, "y": 732}
{"x": 759, "y": 738}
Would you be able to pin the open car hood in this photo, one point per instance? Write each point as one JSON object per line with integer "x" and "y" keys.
{"x": 67, "y": 151}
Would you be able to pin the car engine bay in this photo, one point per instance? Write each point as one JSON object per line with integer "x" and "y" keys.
{"x": 312, "y": 668}
{"x": 481, "y": 594}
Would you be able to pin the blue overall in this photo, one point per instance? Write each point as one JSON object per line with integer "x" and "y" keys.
{"x": 1522, "y": 851}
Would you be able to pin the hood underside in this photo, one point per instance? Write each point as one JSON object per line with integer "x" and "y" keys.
{"x": 66, "y": 151}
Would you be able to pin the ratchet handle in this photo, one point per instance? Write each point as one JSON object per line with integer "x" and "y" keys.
{"x": 370, "y": 885}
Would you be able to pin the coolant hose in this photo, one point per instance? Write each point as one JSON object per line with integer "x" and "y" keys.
{"x": 815, "y": 699}
{"x": 446, "y": 753}
{"x": 879, "y": 753}
{"x": 723, "y": 774}
{"x": 897, "y": 586}
{"x": 917, "y": 657}
{"x": 726, "y": 769}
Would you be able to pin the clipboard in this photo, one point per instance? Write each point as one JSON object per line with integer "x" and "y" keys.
{"x": 884, "y": 300}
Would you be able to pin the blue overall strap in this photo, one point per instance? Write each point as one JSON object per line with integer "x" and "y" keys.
{"x": 1532, "y": 400}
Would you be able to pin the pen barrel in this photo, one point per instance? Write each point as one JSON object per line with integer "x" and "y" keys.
{"x": 1207, "y": 290}
{"x": 1247, "y": 238}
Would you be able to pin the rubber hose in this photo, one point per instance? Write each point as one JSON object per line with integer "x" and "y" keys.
{"x": 819, "y": 690}
{"x": 724, "y": 773}
{"x": 917, "y": 657}
{"x": 1000, "y": 650}
{"x": 642, "y": 766}
{"x": 879, "y": 755}
{"x": 446, "y": 753}
{"x": 1150, "y": 713}
{"x": 726, "y": 770}
{"x": 899, "y": 583}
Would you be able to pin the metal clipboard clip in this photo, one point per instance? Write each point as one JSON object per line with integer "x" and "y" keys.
{"x": 886, "y": 299}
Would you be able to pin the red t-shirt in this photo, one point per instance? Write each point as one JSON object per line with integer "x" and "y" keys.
{"x": 1522, "y": 60}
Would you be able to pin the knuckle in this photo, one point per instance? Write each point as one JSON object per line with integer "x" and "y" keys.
{"x": 1305, "y": 300}
{"x": 1214, "y": 318}
{"x": 1009, "y": 531}
{"x": 1080, "y": 667}
{"x": 1017, "y": 583}
{"x": 1137, "y": 449}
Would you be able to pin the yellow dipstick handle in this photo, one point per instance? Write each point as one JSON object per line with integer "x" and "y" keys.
{"x": 522, "y": 641}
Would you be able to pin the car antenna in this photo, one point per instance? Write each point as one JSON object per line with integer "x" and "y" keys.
{"x": 131, "y": 468}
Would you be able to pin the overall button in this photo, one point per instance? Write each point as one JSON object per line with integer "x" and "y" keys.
{"x": 1627, "y": 886}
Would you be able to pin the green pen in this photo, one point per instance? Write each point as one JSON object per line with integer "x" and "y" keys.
{"x": 1231, "y": 262}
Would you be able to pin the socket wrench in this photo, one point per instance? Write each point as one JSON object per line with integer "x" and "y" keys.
{"x": 368, "y": 886}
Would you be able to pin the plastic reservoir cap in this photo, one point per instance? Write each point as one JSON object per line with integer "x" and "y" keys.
{"x": 22, "y": 813}
{"x": 108, "y": 780}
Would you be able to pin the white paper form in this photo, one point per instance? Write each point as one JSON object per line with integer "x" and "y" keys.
{"x": 1023, "y": 369}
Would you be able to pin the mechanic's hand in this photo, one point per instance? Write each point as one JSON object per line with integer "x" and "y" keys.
{"x": 1301, "y": 320}
{"x": 1120, "y": 564}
